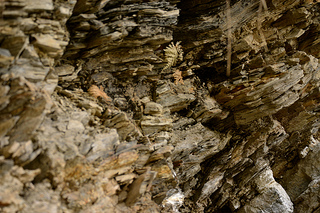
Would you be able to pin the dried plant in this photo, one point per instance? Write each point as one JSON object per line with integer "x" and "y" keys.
{"x": 229, "y": 50}
{"x": 96, "y": 92}
{"x": 178, "y": 77}
{"x": 173, "y": 53}
{"x": 263, "y": 5}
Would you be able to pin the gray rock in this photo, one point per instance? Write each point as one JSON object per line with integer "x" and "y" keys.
{"x": 15, "y": 44}
{"x": 249, "y": 104}
{"x": 150, "y": 124}
{"x": 272, "y": 197}
{"x": 47, "y": 43}
{"x": 207, "y": 109}
{"x": 176, "y": 102}
{"x": 31, "y": 70}
{"x": 152, "y": 108}
{"x": 198, "y": 144}
{"x": 211, "y": 186}
{"x": 5, "y": 52}
{"x": 175, "y": 97}
{"x": 47, "y": 201}
{"x": 65, "y": 69}
{"x": 123, "y": 124}
{"x": 307, "y": 200}
{"x": 102, "y": 145}
{"x": 75, "y": 125}
{"x": 38, "y": 5}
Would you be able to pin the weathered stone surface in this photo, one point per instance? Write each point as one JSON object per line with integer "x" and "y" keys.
{"x": 175, "y": 97}
{"x": 151, "y": 124}
{"x": 272, "y": 197}
{"x": 10, "y": 190}
{"x": 33, "y": 71}
{"x": 301, "y": 182}
{"x": 152, "y": 108}
{"x": 41, "y": 198}
{"x": 126, "y": 45}
{"x": 208, "y": 109}
{"x": 161, "y": 153}
{"x": 101, "y": 146}
{"x": 122, "y": 123}
{"x": 198, "y": 144}
{"x": 250, "y": 102}
{"x": 66, "y": 69}
{"x": 38, "y": 5}
{"x": 187, "y": 136}
{"x": 12, "y": 183}
{"x": 5, "y": 57}
{"x": 25, "y": 111}
{"x": 15, "y": 44}
{"x": 47, "y": 43}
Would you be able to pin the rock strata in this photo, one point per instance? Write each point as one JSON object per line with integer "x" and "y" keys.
{"x": 101, "y": 112}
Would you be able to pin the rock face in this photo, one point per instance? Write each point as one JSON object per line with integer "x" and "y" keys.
{"x": 102, "y": 111}
{"x": 120, "y": 36}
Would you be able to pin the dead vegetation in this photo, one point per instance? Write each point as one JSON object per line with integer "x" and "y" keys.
{"x": 96, "y": 92}
{"x": 173, "y": 53}
{"x": 262, "y": 5}
{"x": 177, "y": 77}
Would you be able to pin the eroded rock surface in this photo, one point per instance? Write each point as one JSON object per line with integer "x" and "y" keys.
{"x": 94, "y": 117}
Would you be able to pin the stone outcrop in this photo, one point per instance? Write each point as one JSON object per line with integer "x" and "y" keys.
{"x": 122, "y": 37}
{"x": 95, "y": 118}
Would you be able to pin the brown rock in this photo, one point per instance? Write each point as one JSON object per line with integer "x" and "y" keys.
{"x": 38, "y": 5}
{"x": 150, "y": 124}
{"x": 134, "y": 190}
{"x": 47, "y": 43}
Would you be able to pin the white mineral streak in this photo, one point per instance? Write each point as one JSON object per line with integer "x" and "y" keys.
{"x": 174, "y": 199}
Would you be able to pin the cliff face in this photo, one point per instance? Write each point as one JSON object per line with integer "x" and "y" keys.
{"x": 98, "y": 113}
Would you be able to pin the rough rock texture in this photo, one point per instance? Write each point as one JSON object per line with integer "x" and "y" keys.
{"x": 96, "y": 117}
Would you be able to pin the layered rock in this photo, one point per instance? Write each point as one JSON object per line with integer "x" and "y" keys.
{"x": 33, "y": 36}
{"x": 122, "y": 37}
{"x": 128, "y": 130}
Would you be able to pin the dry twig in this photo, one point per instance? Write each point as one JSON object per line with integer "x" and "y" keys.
{"x": 263, "y": 5}
{"x": 228, "y": 11}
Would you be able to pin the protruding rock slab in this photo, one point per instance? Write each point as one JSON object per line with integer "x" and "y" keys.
{"x": 272, "y": 197}
{"x": 151, "y": 124}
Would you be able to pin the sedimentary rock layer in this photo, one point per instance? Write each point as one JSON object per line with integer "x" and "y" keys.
{"x": 125, "y": 106}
